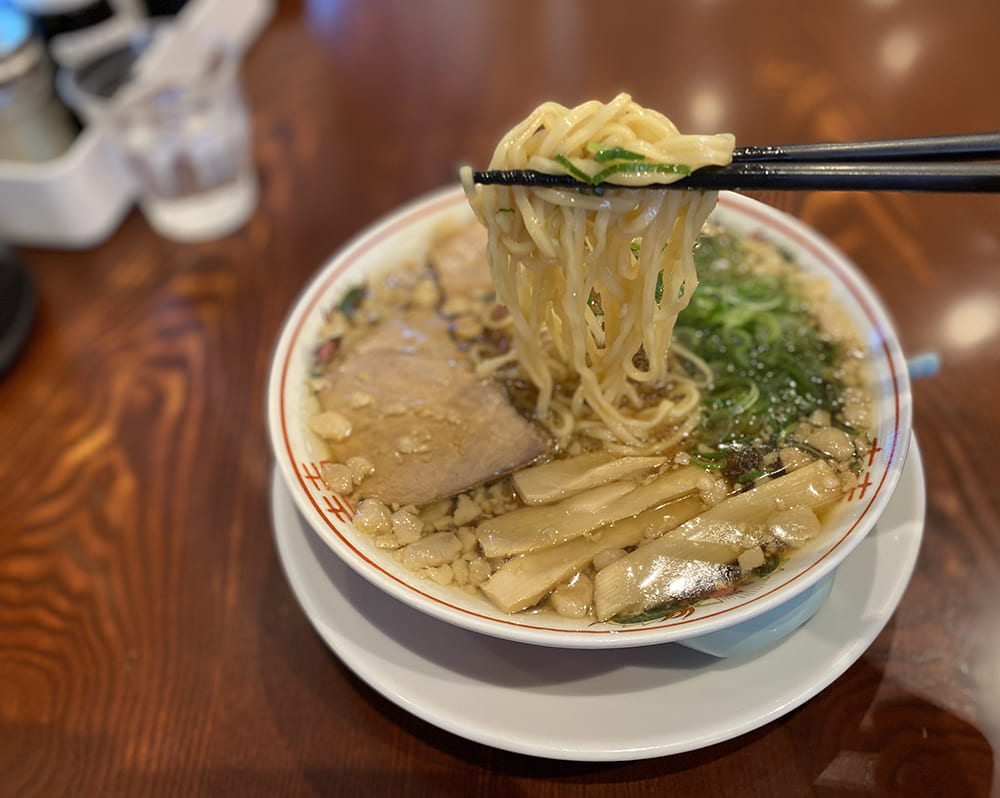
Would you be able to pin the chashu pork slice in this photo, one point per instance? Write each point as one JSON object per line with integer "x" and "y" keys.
{"x": 459, "y": 257}
{"x": 416, "y": 332}
{"x": 420, "y": 415}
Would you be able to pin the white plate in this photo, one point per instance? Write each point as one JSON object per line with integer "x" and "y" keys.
{"x": 591, "y": 705}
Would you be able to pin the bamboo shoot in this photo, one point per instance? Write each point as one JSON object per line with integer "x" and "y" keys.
{"x": 523, "y": 581}
{"x": 532, "y": 528}
{"x": 640, "y": 580}
{"x": 558, "y": 479}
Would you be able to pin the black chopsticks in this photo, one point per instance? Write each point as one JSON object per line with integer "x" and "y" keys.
{"x": 965, "y": 146}
{"x": 956, "y": 163}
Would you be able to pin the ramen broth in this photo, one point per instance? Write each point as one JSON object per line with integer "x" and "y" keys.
{"x": 572, "y": 525}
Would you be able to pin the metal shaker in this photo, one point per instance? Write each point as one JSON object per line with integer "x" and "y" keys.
{"x": 34, "y": 124}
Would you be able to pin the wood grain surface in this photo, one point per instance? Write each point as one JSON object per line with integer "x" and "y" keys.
{"x": 150, "y": 644}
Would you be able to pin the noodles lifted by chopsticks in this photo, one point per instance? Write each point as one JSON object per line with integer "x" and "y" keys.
{"x": 594, "y": 280}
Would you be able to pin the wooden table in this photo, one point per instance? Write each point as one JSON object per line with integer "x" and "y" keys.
{"x": 149, "y": 641}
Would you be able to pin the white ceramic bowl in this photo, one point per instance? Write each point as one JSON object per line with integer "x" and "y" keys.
{"x": 762, "y": 610}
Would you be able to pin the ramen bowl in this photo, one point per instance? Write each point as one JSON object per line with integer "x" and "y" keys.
{"x": 753, "y": 615}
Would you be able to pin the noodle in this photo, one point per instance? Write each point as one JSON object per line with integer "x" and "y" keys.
{"x": 594, "y": 281}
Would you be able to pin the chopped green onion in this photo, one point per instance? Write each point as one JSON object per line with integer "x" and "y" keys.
{"x": 655, "y": 614}
{"x": 351, "y": 301}
{"x": 573, "y": 169}
{"x": 710, "y": 461}
{"x": 602, "y": 153}
{"x": 755, "y": 333}
{"x": 641, "y": 168}
{"x": 620, "y": 168}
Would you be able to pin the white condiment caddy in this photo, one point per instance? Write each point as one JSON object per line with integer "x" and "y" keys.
{"x": 78, "y": 199}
